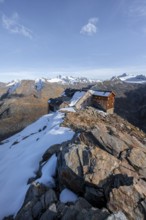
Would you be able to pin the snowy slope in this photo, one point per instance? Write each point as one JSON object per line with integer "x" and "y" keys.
{"x": 20, "y": 156}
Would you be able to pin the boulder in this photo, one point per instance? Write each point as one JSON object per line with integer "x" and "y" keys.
{"x": 48, "y": 198}
{"x": 137, "y": 159}
{"x": 93, "y": 214}
{"x": 50, "y": 214}
{"x": 130, "y": 200}
{"x": 109, "y": 143}
{"x": 88, "y": 171}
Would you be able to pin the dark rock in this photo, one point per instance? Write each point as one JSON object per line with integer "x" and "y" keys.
{"x": 92, "y": 214}
{"x": 95, "y": 196}
{"x": 70, "y": 214}
{"x": 37, "y": 210}
{"x": 48, "y": 198}
{"x": 24, "y": 214}
{"x": 34, "y": 192}
{"x": 9, "y": 218}
{"x": 50, "y": 214}
{"x": 61, "y": 209}
{"x": 82, "y": 204}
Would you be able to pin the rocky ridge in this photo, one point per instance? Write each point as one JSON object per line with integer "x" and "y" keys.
{"x": 21, "y": 103}
{"x": 104, "y": 165}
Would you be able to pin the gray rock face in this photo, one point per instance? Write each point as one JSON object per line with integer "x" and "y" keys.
{"x": 130, "y": 200}
{"x": 73, "y": 214}
{"x": 81, "y": 164}
{"x": 48, "y": 198}
{"x": 111, "y": 144}
{"x": 38, "y": 200}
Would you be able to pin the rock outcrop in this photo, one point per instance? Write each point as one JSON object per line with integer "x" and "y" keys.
{"x": 104, "y": 165}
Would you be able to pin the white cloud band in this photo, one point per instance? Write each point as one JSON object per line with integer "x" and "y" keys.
{"x": 12, "y": 25}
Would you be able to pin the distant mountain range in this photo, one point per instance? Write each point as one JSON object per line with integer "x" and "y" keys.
{"x": 130, "y": 78}
{"x": 71, "y": 80}
{"x": 39, "y": 83}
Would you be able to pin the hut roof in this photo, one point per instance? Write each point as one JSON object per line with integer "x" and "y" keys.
{"x": 101, "y": 93}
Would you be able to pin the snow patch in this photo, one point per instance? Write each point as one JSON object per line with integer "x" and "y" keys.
{"x": 119, "y": 216}
{"x": 100, "y": 93}
{"x": 13, "y": 86}
{"x": 39, "y": 84}
{"x": 48, "y": 172}
{"x": 76, "y": 97}
{"x": 69, "y": 109}
{"x": 68, "y": 196}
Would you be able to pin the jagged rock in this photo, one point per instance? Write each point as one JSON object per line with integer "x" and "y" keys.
{"x": 80, "y": 164}
{"x": 61, "y": 209}
{"x": 54, "y": 149}
{"x": 109, "y": 143}
{"x": 129, "y": 200}
{"x": 96, "y": 196}
{"x": 37, "y": 209}
{"x": 48, "y": 198}
{"x": 137, "y": 159}
{"x": 82, "y": 203}
{"x": 88, "y": 170}
{"x": 93, "y": 214}
{"x": 35, "y": 190}
{"x": 50, "y": 214}
{"x": 37, "y": 201}
{"x": 24, "y": 214}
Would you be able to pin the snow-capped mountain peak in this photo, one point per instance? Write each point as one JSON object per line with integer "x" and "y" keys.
{"x": 71, "y": 80}
{"x": 39, "y": 83}
{"x": 131, "y": 78}
{"x": 13, "y": 86}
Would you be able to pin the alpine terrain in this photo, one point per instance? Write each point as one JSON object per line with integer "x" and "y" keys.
{"x": 70, "y": 164}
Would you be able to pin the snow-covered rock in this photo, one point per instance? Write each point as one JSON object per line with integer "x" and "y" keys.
{"x": 76, "y": 97}
{"x": 12, "y": 86}
{"x": 39, "y": 83}
{"x": 68, "y": 196}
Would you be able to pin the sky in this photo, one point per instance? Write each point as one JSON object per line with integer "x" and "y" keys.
{"x": 92, "y": 38}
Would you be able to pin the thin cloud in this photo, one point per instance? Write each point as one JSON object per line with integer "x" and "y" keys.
{"x": 13, "y": 26}
{"x": 138, "y": 9}
{"x": 1, "y": 1}
{"x": 91, "y": 27}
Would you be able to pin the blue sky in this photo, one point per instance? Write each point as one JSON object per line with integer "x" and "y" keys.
{"x": 92, "y": 38}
